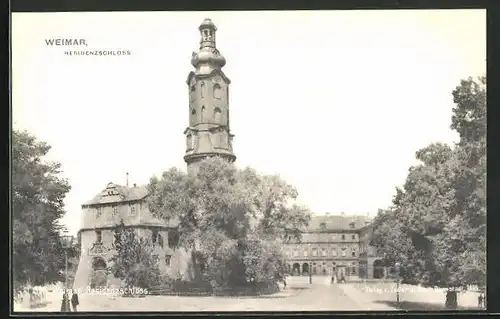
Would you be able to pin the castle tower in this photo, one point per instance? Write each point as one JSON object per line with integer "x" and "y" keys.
{"x": 208, "y": 133}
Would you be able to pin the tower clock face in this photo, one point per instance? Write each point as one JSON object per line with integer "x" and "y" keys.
{"x": 217, "y": 79}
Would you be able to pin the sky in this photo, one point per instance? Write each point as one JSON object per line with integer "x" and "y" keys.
{"x": 336, "y": 102}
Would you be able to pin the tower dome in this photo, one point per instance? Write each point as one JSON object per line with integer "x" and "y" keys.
{"x": 208, "y": 55}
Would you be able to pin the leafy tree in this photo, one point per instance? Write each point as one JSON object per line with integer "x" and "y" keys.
{"x": 437, "y": 225}
{"x": 233, "y": 219}
{"x": 134, "y": 261}
{"x": 38, "y": 192}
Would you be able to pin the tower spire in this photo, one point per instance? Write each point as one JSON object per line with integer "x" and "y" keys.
{"x": 208, "y": 132}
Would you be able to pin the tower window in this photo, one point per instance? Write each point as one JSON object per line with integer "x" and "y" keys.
{"x": 193, "y": 111}
{"x": 202, "y": 113}
{"x": 205, "y": 32}
{"x": 217, "y": 91}
{"x": 167, "y": 260}
{"x": 217, "y": 115}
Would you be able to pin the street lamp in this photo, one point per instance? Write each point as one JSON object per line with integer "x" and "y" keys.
{"x": 397, "y": 265}
{"x": 66, "y": 242}
{"x": 310, "y": 265}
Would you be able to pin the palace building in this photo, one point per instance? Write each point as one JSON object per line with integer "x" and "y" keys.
{"x": 335, "y": 245}
{"x": 332, "y": 244}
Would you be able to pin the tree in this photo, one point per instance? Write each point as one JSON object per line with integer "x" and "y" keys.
{"x": 437, "y": 225}
{"x": 38, "y": 192}
{"x": 133, "y": 260}
{"x": 235, "y": 220}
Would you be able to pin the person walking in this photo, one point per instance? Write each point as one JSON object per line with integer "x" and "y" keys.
{"x": 65, "y": 307}
{"x": 74, "y": 301}
{"x": 480, "y": 301}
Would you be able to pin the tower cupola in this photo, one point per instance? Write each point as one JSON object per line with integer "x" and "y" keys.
{"x": 208, "y": 55}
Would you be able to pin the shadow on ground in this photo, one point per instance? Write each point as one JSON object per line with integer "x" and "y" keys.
{"x": 426, "y": 306}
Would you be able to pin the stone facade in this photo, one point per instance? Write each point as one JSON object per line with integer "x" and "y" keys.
{"x": 102, "y": 214}
{"x": 333, "y": 245}
{"x": 208, "y": 133}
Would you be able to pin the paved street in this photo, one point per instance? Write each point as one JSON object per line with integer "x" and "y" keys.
{"x": 299, "y": 296}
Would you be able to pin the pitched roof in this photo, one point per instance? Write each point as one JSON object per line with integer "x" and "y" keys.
{"x": 337, "y": 222}
{"x": 114, "y": 193}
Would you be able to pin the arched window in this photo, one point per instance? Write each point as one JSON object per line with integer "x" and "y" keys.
{"x": 217, "y": 115}
{"x": 189, "y": 141}
{"x": 217, "y": 91}
{"x": 202, "y": 113}
{"x": 202, "y": 87}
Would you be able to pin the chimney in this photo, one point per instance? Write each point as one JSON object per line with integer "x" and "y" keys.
{"x": 127, "y": 180}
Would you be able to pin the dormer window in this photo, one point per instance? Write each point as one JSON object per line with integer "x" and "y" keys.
{"x": 352, "y": 225}
{"x": 322, "y": 226}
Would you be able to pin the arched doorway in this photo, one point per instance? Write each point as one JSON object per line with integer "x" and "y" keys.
{"x": 305, "y": 268}
{"x": 99, "y": 273}
{"x": 296, "y": 269}
{"x": 378, "y": 269}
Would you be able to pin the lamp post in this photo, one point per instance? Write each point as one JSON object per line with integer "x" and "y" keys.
{"x": 398, "y": 265}
{"x": 310, "y": 265}
{"x": 66, "y": 242}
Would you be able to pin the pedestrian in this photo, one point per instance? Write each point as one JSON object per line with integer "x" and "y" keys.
{"x": 480, "y": 301}
{"x": 332, "y": 280}
{"x": 284, "y": 283}
{"x": 74, "y": 301}
{"x": 65, "y": 307}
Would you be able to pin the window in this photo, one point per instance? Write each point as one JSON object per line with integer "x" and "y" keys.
{"x": 343, "y": 251}
{"x": 352, "y": 225}
{"x": 343, "y": 237}
{"x": 160, "y": 240}
{"x": 295, "y": 253}
{"x": 323, "y": 252}
{"x": 154, "y": 235}
{"x": 132, "y": 209}
{"x": 353, "y": 254}
{"x": 98, "y": 234}
{"x": 353, "y": 270}
{"x": 115, "y": 210}
{"x": 305, "y": 253}
{"x": 167, "y": 260}
{"x": 98, "y": 212}
{"x": 353, "y": 237}
{"x": 315, "y": 252}
{"x": 334, "y": 252}
{"x": 322, "y": 226}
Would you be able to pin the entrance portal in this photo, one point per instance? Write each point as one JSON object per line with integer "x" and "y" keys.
{"x": 378, "y": 269}
{"x": 99, "y": 273}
